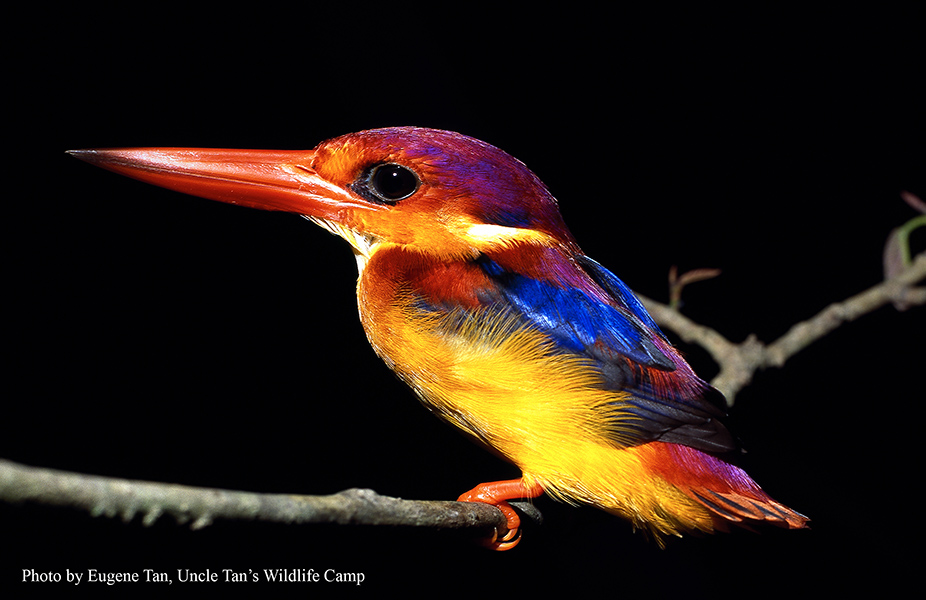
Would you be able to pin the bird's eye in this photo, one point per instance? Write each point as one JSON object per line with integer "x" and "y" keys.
{"x": 391, "y": 182}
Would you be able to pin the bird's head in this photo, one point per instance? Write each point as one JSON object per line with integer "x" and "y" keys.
{"x": 435, "y": 191}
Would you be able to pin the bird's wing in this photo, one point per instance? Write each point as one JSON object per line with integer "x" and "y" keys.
{"x": 589, "y": 311}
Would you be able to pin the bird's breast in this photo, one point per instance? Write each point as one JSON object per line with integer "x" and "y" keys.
{"x": 476, "y": 364}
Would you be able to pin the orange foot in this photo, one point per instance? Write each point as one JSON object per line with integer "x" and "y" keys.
{"x": 496, "y": 493}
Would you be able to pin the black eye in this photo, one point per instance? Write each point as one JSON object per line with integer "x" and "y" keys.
{"x": 391, "y": 182}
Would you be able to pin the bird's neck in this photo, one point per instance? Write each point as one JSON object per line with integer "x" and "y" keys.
{"x": 395, "y": 276}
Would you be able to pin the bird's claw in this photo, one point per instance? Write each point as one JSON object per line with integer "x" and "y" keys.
{"x": 507, "y": 537}
{"x": 506, "y": 542}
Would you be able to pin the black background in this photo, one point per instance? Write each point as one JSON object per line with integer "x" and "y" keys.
{"x": 160, "y": 337}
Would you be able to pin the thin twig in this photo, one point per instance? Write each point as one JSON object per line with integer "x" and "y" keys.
{"x": 739, "y": 362}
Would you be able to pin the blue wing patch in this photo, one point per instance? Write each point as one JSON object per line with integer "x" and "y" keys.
{"x": 617, "y": 288}
{"x": 579, "y": 322}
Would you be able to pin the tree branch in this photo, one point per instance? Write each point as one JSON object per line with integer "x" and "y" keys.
{"x": 199, "y": 507}
{"x": 739, "y": 362}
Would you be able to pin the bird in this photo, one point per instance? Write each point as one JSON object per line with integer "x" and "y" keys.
{"x": 472, "y": 289}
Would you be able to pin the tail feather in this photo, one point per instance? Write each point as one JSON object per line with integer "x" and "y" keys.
{"x": 736, "y": 509}
{"x": 725, "y": 490}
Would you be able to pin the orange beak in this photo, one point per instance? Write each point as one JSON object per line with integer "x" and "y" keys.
{"x": 281, "y": 180}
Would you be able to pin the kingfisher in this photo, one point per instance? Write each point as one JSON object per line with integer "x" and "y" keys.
{"x": 474, "y": 292}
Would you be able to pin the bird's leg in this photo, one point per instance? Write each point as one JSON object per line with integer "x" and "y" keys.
{"x": 497, "y": 493}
